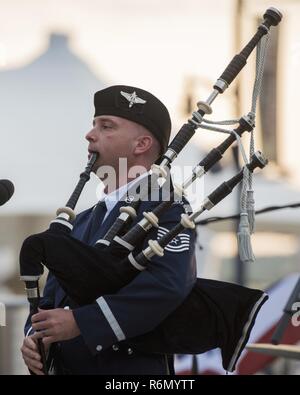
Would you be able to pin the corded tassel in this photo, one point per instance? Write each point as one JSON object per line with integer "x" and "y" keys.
{"x": 251, "y": 210}
{"x": 244, "y": 240}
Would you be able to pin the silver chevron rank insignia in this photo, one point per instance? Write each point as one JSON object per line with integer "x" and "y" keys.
{"x": 180, "y": 243}
{"x": 133, "y": 98}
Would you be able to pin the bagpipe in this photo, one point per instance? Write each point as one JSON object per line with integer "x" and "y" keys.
{"x": 215, "y": 313}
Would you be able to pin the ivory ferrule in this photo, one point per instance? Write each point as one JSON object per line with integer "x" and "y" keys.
{"x": 155, "y": 248}
{"x": 32, "y": 293}
{"x": 208, "y": 204}
{"x": 148, "y": 252}
{"x": 222, "y": 85}
{"x": 151, "y": 218}
{"x": 103, "y": 241}
{"x": 187, "y": 222}
{"x": 129, "y": 211}
{"x": 159, "y": 170}
{"x": 63, "y": 222}
{"x": 123, "y": 243}
{"x": 30, "y": 278}
{"x": 135, "y": 263}
{"x": 204, "y": 106}
{"x": 198, "y": 172}
{"x": 67, "y": 213}
{"x": 145, "y": 224}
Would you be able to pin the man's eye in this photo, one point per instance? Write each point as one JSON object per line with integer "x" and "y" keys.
{"x": 106, "y": 126}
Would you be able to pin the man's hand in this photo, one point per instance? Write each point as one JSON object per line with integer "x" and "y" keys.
{"x": 55, "y": 325}
{"x": 31, "y": 354}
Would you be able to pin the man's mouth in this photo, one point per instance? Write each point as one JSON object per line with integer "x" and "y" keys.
{"x": 92, "y": 152}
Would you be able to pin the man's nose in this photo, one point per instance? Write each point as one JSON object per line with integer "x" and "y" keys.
{"x": 91, "y": 136}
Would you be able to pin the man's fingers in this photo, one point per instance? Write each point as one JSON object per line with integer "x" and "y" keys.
{"x": 28, "y": 353}
{"x": 34, "y": 366}
{"x": 30, "y": 343}
{"x": 49, "y": 340}
{"x": 37, "y": 372}
{"x": 42, "y": 334}
{"x": 39, "y": 325}
{"x": 31, "y": 354}
{"x": 41, "y": 316}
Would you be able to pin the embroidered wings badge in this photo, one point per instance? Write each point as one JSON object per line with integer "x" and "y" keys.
{"x": 133, "y": 98}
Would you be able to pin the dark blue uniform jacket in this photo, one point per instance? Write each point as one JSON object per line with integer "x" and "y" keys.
{"x": 108, "y": 324}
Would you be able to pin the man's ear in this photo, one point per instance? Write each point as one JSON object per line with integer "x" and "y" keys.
{"x": 143, "y": 144}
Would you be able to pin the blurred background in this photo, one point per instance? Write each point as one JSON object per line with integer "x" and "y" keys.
{"x": 55, "y": 54}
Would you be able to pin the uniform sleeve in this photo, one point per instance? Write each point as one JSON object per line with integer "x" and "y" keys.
{"x": 142, "y": 304}
{"x": 47, "y": 301}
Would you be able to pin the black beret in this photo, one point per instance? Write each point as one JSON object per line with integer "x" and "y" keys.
{"x": 138, "y": 106}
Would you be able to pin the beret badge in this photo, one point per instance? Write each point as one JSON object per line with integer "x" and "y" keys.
{"x": 132, "y": 98}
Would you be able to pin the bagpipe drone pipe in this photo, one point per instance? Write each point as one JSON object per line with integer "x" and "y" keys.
{"x": 58, "y": 251}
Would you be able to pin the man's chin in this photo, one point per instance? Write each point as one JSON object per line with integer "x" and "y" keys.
{"x": 96, "y": 168}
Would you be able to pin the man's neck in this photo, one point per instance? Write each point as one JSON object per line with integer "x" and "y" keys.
{"x": 120, "y": 181}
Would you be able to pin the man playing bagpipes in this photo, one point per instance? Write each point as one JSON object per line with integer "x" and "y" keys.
{"x": 132, "y": 293}
{"x": 171, "y": 311}
{"x": 88, "y": 337}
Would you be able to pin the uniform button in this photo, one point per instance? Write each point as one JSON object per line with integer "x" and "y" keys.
{"x": 130, "y": 351}
{"x": 115, "y": 347}
{"x": 99, "y": 348}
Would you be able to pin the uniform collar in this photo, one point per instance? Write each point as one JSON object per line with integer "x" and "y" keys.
{"x": 114, "y": 197}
